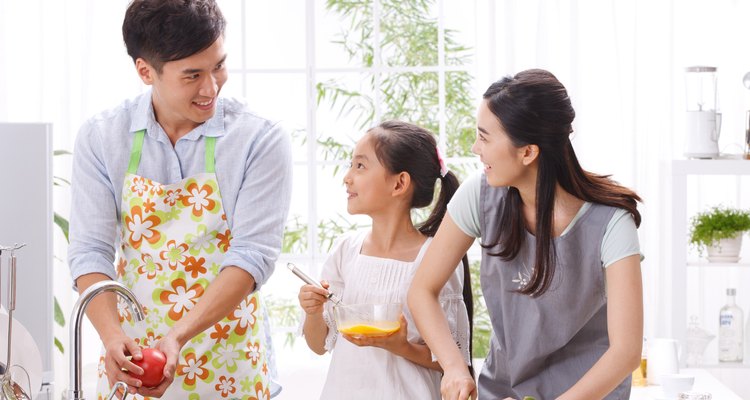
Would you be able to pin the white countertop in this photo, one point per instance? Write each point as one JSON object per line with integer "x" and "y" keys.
{"x": 704, "y": 382}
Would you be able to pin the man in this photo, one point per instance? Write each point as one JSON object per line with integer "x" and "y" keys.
{"x": 193, "y": 191}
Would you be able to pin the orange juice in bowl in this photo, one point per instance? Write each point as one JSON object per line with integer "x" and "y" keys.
{"x": 368, "y": 320}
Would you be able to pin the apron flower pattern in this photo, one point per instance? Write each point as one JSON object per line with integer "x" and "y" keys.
{"x": 173, "y": 239}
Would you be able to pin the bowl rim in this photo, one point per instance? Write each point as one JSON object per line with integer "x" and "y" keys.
{"x": 369, "y": 304}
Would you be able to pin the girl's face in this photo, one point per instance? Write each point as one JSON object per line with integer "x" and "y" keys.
{"x": 502, "y": 160}
{"x": 368, "y": 183}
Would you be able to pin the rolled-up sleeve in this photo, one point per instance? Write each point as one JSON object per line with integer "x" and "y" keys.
{"x": 93, "y": 214}
{"x": 262, "y": 205}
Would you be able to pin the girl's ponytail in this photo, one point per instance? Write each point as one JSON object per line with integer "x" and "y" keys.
{"x": 448, "y": 186}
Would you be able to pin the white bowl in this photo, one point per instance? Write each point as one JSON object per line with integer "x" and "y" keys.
{"x": 674, "y": 384}
{"x": 368, "y": 320}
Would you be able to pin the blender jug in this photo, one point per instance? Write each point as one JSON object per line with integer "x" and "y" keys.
{"x": 702, "y": 121}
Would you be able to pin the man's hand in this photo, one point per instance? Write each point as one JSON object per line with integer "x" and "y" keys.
{"x": 171, "y": 348}
{"x": 117, "y": 350}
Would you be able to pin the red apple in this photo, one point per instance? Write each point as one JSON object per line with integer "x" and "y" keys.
{"x": 153, "y": 362}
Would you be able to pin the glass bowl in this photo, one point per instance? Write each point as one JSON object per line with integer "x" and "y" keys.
{"x": 368, "y": 320}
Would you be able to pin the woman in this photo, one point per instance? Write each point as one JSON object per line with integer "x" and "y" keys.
{"x": 560, "y": 266}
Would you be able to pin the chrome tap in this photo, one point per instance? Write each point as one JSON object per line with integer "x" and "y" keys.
{"x": 76, "y": 320}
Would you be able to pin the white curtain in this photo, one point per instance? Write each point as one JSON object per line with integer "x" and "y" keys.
{"x": 623, "y": 63}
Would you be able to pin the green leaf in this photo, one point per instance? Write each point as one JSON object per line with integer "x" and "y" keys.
{"x": 59, "y": 181}
{"x": 59, "y": 345}
{"x": 59, "y": 316}
{"x": 63, "y": 224}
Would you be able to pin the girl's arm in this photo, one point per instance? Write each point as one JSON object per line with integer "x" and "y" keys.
{"x": 446, "y": 250}
{"x": 625, "y": 326}
{"x": 398, "y": 344}
{"x": 312, "y": 300}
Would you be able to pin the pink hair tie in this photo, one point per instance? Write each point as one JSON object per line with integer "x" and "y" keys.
{"x": 443, "y": 168}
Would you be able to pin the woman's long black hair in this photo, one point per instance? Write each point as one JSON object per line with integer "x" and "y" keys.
{"x": 405, "y": 147}
{"x": 533, "y": 107}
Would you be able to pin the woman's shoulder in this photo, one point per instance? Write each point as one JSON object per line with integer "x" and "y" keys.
{"x": 617, "y": 215}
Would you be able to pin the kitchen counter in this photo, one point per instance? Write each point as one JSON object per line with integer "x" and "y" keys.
{"x": 704, "y": 382}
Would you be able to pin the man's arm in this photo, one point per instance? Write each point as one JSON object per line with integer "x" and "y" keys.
{"x": 93, "y": 211}
{"x": 102, "y": 312}
{"x": 222, "y": 296}
{"x": 257, "y": 227}
{"x": 262, "y": 206}
{"x": 93, "y": 230}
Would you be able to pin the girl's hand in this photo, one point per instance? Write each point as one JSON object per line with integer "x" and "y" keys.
{"x": 457, "y": 384}
{"x": 312, "y": 298}
{"x": 394, "y": 342}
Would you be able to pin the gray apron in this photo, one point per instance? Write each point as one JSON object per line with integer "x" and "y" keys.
{"x": 542, "y": 346}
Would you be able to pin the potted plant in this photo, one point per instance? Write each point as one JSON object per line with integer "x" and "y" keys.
{"x": 720, "y": 230}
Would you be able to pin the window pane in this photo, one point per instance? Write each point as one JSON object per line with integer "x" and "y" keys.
{"x": 408, "y": 33}
{"x": 296, "y": 232}
{"x": 337, "y": 34}
{"x": 233, "y": 41}
{"x": 460, "y": 31}
{"x": 333, "y": 219}
{"x": 281, "y": 96}
{"x": 411, "y": 97}
{"x": 233, "y": 87}
{"x": 460, "y": 113}
{"x": 345, "y": 111}
{"x": 275, "y": 34}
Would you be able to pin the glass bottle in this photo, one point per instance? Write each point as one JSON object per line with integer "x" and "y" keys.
{"x": 639, "y": 374}
{"x": 731, "y": 324}
{"x": 696, "y": 340}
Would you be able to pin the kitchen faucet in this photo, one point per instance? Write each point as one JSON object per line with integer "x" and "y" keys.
{"x": 76, "y": 320}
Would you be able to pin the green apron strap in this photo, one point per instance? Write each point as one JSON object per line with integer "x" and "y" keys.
{"x": 210, "y": 146}
{"x": 135, "y": 152}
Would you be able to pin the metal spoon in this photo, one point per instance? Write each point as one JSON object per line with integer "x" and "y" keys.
{"x": 300, "y": 274}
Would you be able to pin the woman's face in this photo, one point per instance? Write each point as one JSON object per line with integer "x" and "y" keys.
{"x": 502, "y": 161}
{"x": 368, "y": 183}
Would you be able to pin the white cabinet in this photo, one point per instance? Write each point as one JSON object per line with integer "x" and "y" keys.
{"x": 26, "y": 217}
{"x": 696, "y": 286}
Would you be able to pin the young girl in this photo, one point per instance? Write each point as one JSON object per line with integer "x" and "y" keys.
{"x": 394, "y": 169}
{"x": 560, "y": 266}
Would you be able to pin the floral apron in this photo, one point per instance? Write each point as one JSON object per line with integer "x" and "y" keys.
{"x": 173, "y": 240}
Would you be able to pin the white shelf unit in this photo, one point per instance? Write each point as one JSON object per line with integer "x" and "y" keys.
{"x": 682, "y": 266}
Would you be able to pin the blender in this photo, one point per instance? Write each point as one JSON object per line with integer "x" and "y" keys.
{"x": 703, "y": 122}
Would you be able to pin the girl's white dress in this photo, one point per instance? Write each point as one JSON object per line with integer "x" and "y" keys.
{"x": 369, "y": 372}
